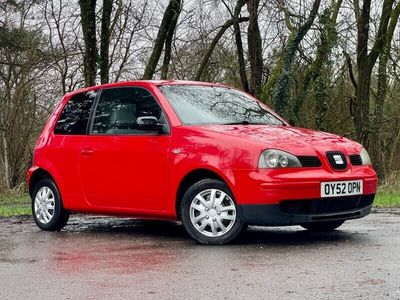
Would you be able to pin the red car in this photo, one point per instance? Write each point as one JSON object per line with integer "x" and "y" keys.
{"x": 208, "y": 155}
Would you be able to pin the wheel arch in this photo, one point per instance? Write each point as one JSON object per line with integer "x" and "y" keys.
{"x": 192, "y": 177}
{"x": 36, "y": 176}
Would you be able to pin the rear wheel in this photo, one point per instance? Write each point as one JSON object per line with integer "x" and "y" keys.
{"x": 323, "y": 226}
{"x": 209, "y": 213}
{"x": 47, "y": 208}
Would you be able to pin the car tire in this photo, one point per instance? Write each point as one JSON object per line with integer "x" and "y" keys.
{"x": 209, "y": 213}
{"x": 47, "y": 207}
{"x": 323, "y": 226}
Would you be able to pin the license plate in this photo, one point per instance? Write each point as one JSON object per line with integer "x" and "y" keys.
{"x": 341, "y": 188}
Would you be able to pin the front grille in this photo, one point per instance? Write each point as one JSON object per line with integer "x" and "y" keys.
{"x": 355, "y": 160}
{"x": 326, "y": 205}
{"x": 332, "y": 158}
{"x": 309, "y": 161}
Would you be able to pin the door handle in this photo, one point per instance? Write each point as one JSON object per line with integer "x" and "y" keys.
{"x": 87, "y": 151}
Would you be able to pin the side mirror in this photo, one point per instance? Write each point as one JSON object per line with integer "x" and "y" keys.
{"x": 149, "y": 123}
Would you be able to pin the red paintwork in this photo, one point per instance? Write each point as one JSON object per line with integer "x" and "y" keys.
{"x": 140, "y": 175}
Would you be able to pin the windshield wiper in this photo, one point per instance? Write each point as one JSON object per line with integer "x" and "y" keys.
{"x": 244, "y": 122}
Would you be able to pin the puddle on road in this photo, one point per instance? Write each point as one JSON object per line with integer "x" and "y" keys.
{"x": 117, "y": 246}
{"x": 118, "y": 258}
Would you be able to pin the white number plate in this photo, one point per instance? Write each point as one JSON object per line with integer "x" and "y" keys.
{"x": 341, "y": 188}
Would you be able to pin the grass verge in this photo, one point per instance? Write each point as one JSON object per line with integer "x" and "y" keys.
{"x": 389, "y": 193}
{"x": 14, "y": 205}
{"x": 387, "y": 199}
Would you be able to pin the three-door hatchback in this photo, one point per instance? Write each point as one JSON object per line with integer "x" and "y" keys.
{"x": 208, "y": 155}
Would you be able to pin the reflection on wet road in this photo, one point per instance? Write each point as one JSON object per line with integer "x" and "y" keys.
{"x": 122, "y": 258}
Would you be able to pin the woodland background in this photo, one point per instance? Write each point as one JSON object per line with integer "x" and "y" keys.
{"x": 330, "y": 65}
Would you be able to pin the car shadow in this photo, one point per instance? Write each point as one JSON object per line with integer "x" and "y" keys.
{"x": 170, "y": 231}
{"x": 293, "y": 235}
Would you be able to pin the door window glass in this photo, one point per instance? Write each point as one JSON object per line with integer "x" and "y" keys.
{"x": 118, "y": 110}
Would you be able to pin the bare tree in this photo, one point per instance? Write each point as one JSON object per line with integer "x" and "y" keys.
{"x": 167, "y": 26}
{"x": 61, "y": 25}
{"x": 255, "y": 48}
{"x": 23, "y": 60}
{"x": 211, "y": 48}
{"x": 105, "y": 40}
{"x": 129, "y": 21}
{"x": 239, "y": 44}
{"x": 168, "y": 45}
{"x": 91, "y": 56}
{"x": 366, "y": 61}
{"x": 88, "y": 20}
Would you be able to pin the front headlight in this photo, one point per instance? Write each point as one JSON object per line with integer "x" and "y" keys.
{"x": 272, "y": 159}
{"x": 366, "y": 160}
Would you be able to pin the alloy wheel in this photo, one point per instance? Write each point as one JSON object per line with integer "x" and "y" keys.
{"x": 44, "y": 205}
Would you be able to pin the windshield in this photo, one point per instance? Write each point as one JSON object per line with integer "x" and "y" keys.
{"x": 200, "y": 105}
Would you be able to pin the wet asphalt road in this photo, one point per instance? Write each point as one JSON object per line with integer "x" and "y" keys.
{"x": 96, "y": 257}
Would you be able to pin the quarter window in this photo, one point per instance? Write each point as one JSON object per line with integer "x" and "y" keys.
{"x": 118, "y": 110}
{"x": 75, "y": 115}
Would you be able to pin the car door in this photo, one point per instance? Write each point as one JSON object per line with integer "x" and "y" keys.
{"x": 123, "y": 165}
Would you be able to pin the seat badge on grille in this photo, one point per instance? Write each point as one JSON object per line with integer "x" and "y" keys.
{"x": 338, "y": 159}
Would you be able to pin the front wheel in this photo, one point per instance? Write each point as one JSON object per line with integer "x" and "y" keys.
{"x": 210, "y": 214}
{"x": 47, "y": 208}
{"x": 323, "y": 226}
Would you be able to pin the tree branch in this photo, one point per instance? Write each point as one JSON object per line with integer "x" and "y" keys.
{"x": 214, "y": 42}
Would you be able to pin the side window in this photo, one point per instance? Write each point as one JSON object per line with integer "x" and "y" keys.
{"x": 75, "y": 115}
{"x": 118, "y": 110}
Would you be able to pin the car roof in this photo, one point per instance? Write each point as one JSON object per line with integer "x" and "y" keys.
{"x": 144, "y": 82}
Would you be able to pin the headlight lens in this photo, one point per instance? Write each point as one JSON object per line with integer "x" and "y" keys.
{"x": 366, "y": 160}
{"x": 273, "y": 158}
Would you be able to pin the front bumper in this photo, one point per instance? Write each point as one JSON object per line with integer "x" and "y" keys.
{"x": 273, "y": 186}
{"x": 297, "y": 212}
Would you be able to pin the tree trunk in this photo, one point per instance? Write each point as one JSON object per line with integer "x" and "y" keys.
{"x": 361, "y": 108}
{"x": 105, "y": 41}
{"x": 280, "y": 94}
{"x": 168, "y": 45}
{"x": 393, "y": 154}
{"x": 172, "y": 9}
{"x": 255, "y": 49}
{"x": 361, "y": 121}
{"x": 239, "y": 45}
{"x": 323, "y": 64}
{"x": 88, "y": 21}
{"x": 6, "y": 160}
